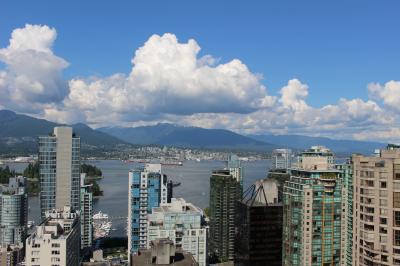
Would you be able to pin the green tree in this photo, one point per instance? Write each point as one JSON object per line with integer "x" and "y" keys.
{"x": 91, "y": 170}
{"x": 5, "y": 174}
{"x": 207, "y": 211}
{"x": 96, "y": 190}
{"x": 32, "y": 171}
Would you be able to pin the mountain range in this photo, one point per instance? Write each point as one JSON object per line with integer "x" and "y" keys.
{"x": 18, "y": 135}
{"x": 191, "y": 137}
{"x": 299, "y": 142}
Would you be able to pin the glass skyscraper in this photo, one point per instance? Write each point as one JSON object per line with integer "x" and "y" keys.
{"x": 259, "y": 226}
{"x": 235, "y": 168}
{"x": 13, "y": 212}
{"x": 59, "y": 159}
{"x": 312, "y": 211}
{"x": 86, "y": 214}
{"x": 147, "y": 189}
{"x": 225, "y": 190}
{"x": 346, "y": 169}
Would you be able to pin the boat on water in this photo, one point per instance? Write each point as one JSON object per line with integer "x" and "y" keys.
{"x": 99, "y": 216}
{"x": 172, "y": 163}
{"x": 136, "y": 161}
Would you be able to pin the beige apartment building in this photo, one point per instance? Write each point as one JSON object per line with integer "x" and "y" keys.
{"x": 55, "y": 242}
{"x": 376, "y": 213}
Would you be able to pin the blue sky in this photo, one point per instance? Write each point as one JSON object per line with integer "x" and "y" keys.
{"x": 336, "y": 48}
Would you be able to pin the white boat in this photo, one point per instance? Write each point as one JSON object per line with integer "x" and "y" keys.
{"x": 100, "y": 216}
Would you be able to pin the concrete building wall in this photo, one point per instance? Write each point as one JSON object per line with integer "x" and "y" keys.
{"x": 56, "y": 241}
{"x": 270, "y": 187}
{"x": 63, "y": 166}
{"x": 11, "y": 255}
{"x": 376, "y": 216}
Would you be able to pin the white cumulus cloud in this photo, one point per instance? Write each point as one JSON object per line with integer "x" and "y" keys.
{"x": 170, "y": 81}
{"x": 168, "y": 77}
{"x": 294, "y": 94}
{"x": 33, "y": 74}
{"x": 388, "y": 93}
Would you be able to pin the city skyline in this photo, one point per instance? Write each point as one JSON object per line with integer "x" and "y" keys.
{"x": 312, "y": 69}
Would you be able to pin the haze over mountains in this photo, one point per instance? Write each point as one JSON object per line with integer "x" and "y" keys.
{"x": 192, "y": 137}
{"x": 18, "y": 135}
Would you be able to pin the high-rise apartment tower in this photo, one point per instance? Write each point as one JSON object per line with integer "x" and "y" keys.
{"x": 259, "y": 226}
{"x": 13, "y": 212}
{"x": 376, "y": 209}
{"x": 86, "y": 214}
{"x": 225, "y": 191}
{"x": 59, "y": 159}
{"x": 147, "y": 189}
{"x": 312, "y": 209}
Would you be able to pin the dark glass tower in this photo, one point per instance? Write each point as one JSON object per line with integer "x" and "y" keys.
{"x": 259, "y": 226}
{"x": 225, "y": 190}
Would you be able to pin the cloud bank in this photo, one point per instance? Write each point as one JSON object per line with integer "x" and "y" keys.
{"x": 170, "y": 82}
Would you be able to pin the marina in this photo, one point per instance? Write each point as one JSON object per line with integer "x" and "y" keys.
{"x": 101, "y": 225}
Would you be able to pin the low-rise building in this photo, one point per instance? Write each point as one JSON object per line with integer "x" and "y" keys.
{"x": 56, "y": 241}
{"x": 180, "y": 222}
{"x": 163, "y": 252}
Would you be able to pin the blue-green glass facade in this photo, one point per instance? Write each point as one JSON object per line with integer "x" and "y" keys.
{"x": 13, "y": 212}
{"x": 47, "y": 171}
{"x": 144, "y": 195}
{"x": 312, "y": 218}
{"x": 347, "y": 197}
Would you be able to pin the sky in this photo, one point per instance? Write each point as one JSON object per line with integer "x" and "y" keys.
{"x": 255, "y": 67}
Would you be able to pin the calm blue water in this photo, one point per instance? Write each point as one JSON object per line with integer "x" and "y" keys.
{"x": 194, "y": 188}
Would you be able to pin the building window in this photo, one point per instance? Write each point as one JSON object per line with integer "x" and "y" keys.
{"x": 396, "y": 199}
{"x": 396, "y": 218}
{"x": 396, "y": 237}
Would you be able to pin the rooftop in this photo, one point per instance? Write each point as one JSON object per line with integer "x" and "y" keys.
{"x": 177, "y": 205}
{"x": 181, "y": 258}
{"x": 58, "y": 224}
